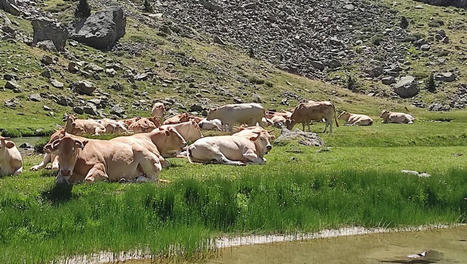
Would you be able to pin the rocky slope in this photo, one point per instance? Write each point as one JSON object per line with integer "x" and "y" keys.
{"x": 195, "y": 54}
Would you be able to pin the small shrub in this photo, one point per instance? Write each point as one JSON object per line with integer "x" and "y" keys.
{"x": 83, "y": 10}
{"x": 404, "y": 23}
{"x": 351, "y": 83}
{"x": 148, "y": 7}
{"x": 430, "y": 84}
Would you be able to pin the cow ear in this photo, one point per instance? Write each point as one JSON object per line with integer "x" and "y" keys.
{"x": 81, "y": 144}
{"x": 254, "y": 138}
{"x": 10, "y": 144}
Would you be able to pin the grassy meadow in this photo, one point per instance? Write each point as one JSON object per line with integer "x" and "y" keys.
{"x": 355, "y": 180}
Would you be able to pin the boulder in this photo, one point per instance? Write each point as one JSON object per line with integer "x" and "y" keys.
{"x": 10, "y": 7}
{"x": 303, "y": 138}
{"x": 118, "y": 110}
{"x": 90, "y": 109}
{"x": 35, "y": 97}
{"x": 12, "y": 85}
{"x": 83, "y": 87}
{"x": 101, "y": 30}
{"x": 56, "y": 83}
{"x": 388, "y": 80}
{"x": 406, "y": 87}
{"x": 445, "y": 77}
{"x": 47, "y": 29}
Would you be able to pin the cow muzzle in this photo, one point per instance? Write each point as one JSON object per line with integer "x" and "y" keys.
{"x": 65, "y": 173}
{"x": 268, "y": 148}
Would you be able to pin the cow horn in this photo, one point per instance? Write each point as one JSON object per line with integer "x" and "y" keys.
{"x": 79, "y": 144}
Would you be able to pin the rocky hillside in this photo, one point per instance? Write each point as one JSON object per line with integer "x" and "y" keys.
{"x": 195, "y": 54}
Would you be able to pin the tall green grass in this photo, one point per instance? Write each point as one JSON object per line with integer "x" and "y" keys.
{"x": 59, "y": 221}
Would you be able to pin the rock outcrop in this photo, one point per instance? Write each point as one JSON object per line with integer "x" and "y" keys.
{"x": 101, "y": 30}
{"x": 48, "y": 29}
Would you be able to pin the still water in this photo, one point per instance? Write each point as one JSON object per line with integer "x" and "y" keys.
{"x": 440, "y": 245}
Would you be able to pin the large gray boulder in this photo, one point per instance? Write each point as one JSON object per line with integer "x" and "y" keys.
{"x": 457, "y": 3}
{"x": 83, "y": 87}
{"x": 48, "y": 29}
{"x": 406, "y": 87}
{"x": 10, "y": 7}
{"x": 101, "y": 30}
{"x": 303, "y": 138}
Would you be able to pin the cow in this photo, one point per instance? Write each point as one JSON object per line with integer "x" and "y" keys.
{"x": 355, "y": 119}
{"x": 113, "y": 126}
{"x": 214, "y": 124}
{"x": 180, "y": 118}
{"x": 49, "y": 155}
{"x": 92, "y": 160}
{"x": 130, "y": 121}
{"x": 79, "y": 127}
{"x": 395, "y": 117}
{"x": 241, "y": 149}
{"x": 313, "y": 111}
{"x": 231, "y": 114}
{"x": 11, "y": 162}
{"x": 158, "y": 110}
{"x": 144, "y": 125}
{"x": 278, "y": 119}
{"x": 190, "y": 131}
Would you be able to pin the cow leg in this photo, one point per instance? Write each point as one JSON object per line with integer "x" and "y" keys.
{"x": 55, "y": 164}
{"x": 43, "y": 163}
{"x": 96, "y": 173}
{"x": 226, "y": 161}
{"x": 303, "y": 127}
{"x": 151, "y": 166}
{"x": 253, "y": 158}
{"x": 18, "y": 171}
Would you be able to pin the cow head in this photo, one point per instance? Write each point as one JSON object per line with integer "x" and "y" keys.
{"x": 344, "y": 116}
{"x": 167, "y": 140}
{"x": 290, "y": 123}
{"x": 262, "y": 143}
{"x": 384, "y": 114}
{"x": 56, "y": 135}
{"x": 158, "y": 109}
{"x": 212, "y": 114}
{"x": 4, "y": 144}
{"x": 68, "y": 149}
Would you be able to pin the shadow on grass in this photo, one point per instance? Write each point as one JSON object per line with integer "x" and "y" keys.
{"x": 60, "y": 192}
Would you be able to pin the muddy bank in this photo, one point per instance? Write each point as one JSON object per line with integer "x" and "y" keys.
{"x": 143, "y": 256}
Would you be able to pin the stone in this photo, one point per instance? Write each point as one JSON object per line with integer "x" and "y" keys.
{"x": 47, "y": 60}
{"x": 9, "y": 77}
{"x": 46, "y": 45}
{"x": 93, "y": 68}
{"x": 416, "y": 173}
{"x": 12, "y": 85}
{"x": 78, "y": 109}
{"x": 63, "y": 100}
{"x": 425, "y": 47}
{"x": 47, "y": 29}
{"x": 110, "y": 72}
{"x": 303, "y": 138}
{"x": 12, "y": 103}
{"x": 90, "y": 109}
{"x": 34, "y": 97}
{"x": 46, "y": 74}
{"x": 117, "y": 110}
{"x": 46, "y": 108}
{"x": 56, "y": 83}
{"x": 406, "y": 87}
{"x": 101, "y": 30}
{"x": 445, "y": 77}
{"x": 10, "y": 7}
{"x": 317, "y": 65}
{"x": 83, "y": 87}
{"x": 73, "y": 67}
{"x": 257, "y": 99}
{"x": 116, "y": 86}
{"x": 388, "y": 80}
{"x": 196, "y": 108}
{"x": 26, "y": 145}
{"x": 218, "y": 40}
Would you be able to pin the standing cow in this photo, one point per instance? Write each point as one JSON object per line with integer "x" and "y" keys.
{"x": 395, "y": 117}
{"x": 11, "y": 162}
{"x": 304, "y": 113}
{"x": 232, "y": 114}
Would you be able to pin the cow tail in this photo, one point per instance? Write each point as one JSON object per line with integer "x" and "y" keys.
{"x": 335, "y": 115}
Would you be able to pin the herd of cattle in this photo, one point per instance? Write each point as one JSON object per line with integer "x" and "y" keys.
{"x": 139, "y": 152}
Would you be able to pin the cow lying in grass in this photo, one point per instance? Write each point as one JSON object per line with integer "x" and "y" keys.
{"x": 395, "y": 117}
{"x": 246, "y": 147}
{"x": 11, "y": 162}
{"x": 355, "y": 119}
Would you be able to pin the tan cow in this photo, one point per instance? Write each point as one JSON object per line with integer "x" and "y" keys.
{"x": 214, "y": 124}
{"x": 92, "y": 160}
{"x": 158, "y": 110}
{"x": 180, "y": 118}
{"x": 305, "y": 113}
{"x": 113, "y": 126}
{"x": 49, "y": 155}
{"x": 394, "y": 117}
{"x": 232, "y": 114}
{"x": 11, "y": 162}
{"x": 355, "y": 119}
{"x": 130, "y": 121}
{"x": 145, "y": 125}
{"x": 190, "y": 131}
{"x": 231, "y": 150}
{"x": 79, "y": 127}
